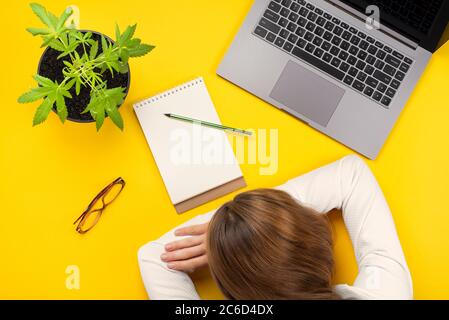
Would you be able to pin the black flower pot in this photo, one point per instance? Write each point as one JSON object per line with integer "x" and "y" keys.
{"x": 50, "y": 67}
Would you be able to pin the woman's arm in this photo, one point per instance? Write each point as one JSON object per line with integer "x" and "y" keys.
{"x": 162, "y": 283}
{"x": 349, "y": 185}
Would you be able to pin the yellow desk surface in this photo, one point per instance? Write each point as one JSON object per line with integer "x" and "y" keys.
{"x": 50, "y": 173}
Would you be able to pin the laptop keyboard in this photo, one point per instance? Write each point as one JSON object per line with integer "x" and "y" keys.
{"x": 342, "y": 51}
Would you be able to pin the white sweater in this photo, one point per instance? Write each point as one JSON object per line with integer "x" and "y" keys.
{"x": 347, "y": 184}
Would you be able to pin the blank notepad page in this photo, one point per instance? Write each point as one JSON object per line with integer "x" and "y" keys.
{"x": 192, "y": 159}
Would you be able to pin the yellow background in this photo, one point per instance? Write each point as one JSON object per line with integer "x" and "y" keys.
{"x": 51, "y": 172}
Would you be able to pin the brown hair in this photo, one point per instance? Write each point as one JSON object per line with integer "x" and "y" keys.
{"x": 265, "y": 245}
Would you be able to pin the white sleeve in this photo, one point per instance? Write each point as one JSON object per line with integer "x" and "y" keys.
{"x": 349, "y": 185}
{"x": 160, "y": 282}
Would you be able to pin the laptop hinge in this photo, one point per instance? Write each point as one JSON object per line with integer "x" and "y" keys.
{"x": 384, "y": 29}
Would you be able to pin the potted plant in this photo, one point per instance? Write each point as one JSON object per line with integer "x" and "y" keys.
{"x": 83, "y": 76}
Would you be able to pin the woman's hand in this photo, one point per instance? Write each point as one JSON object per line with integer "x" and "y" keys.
{"x": 188, "y": 254}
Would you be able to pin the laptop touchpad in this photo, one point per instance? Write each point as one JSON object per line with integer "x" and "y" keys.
{"x": 307, "y": 93}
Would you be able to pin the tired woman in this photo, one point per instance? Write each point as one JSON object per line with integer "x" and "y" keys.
{"x": 277, "y": 243}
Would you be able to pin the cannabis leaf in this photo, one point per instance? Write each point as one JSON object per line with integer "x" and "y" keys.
{"x": 55, "y": 26}
{"x": 51, "y": 92}
{"x": 106, "y": 102}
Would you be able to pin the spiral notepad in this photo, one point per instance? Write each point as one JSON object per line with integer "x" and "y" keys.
{"x": 197, "y": 164}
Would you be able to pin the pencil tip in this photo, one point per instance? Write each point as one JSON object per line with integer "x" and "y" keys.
{"x": 167, "y": 114}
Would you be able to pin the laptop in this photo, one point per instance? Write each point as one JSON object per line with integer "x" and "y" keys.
{"x": 346, "y": 68}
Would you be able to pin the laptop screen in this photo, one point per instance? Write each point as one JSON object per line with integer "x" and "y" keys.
{"x": 422, "y": 21}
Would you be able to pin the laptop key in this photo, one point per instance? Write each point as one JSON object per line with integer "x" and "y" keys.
{"x": 381, "y": 54}
{"x": 293, "y": 17}
{"x": 368, "y": 91}
{"x": 400, "y": 76}
{"x": 392, "y": 60}
{"x": 398, "y": 55}
{"x": 286, "y": 3}
{"x": 301, "y": 43}
{"x": 293, "y": 38}
{"x": 348, "y": 80}
{"x": 327, "y": 36}
{"x": 404, "y": 67}
{"x": 361, "y": 76}
{"x": 358, "y": 85}
{"x": 385, "y": 101}
{"x": 271, "y": 37}
{"x": 270, "y": 15}
{"x": 353, "y": 71}
{"x": 408, "y": 60}
{"x": 300, "y": 31}
{"x": 285, "y": 12}
{"x": 395, "y": 84}
{"x": 344, "y": 67}
{"x": 382, "y": 87}
{"x": 284, "y": 34}
{"x": 346, "y": 35}
{"x": 301, "y": 54}
{"x": 295, "y": 7}
{"x": 369, "y": 69}
{"x": 327, "y": 57}
{"x": 260, "y": 31}
{"x": 288, "y": 46}
{"x": 377, "y": 96}
{"x": 379, "y": 75}
{"x": 283, "y": 22}
{"x": 267, "y": 24}
{"x": 388, "y": 69}
{"x": 370, "y": 60}
{"x": 318, "y": 52}
{"x": 302, "y": 21}
{"x": 372, "y": 82}
{"x": 320, "y": 21}
{"x": 326, "y": 46}
{"x": 390, "y": 92}
{"x": 317, "y": 41}
{"x": 352, "y": 60}
{"x": 310, "y": 47}
{"x": 279, "y": 42}
{"x": 379, "y": 64}
{"x": 308, "y": 36}
{"x": 360, "y": 65}
{"x": 291, "y": 27}
{"x": 276, "y": 7}
{"x": 336, "y": 62}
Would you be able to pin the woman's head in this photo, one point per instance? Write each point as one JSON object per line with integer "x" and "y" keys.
{"x": 264, "y": 245}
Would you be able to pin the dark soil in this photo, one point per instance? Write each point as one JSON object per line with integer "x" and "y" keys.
{"x": 50, "y": 67}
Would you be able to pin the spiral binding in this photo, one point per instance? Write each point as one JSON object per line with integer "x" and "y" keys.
{"x": 169, "y": 93}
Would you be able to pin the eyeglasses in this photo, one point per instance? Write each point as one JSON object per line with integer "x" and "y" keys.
{"x": 93, "y": 213}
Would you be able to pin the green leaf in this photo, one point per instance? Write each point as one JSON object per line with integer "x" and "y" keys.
{"x": 61, "y": 108}
{"x": 57, "y": 45}
{"x": 117, "y": 33}
{"x": 34, "y": 95}
{"x": 39, "y": 31}
{"x": 63, "y": 18}
{"x": 115, "y": 116}
{"x": 93, "y": 50}
{"x": 133, "y": 43}
{"x": 45, "y": 82}
{"x": 127, "y": 35}
{"x": 141, "y": 50}
{"x": 104, "y": 44}
{"x": 69, "y": 85}
{"x": 99, "y": 118}
{"x": 77, "y": 86}
{"x": 42, "y": 112}
{"x": 42, "y": 14}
